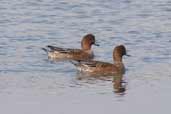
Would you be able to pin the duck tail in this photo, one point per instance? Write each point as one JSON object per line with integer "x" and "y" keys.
{"x": 51, "y": 47}
{"x": 45, "y": 49}
{"x": 75, "y": 62}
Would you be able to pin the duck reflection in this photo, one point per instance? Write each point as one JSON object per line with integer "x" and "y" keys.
{"x": 119, "y": 85}
{"x": 90, "y": 76}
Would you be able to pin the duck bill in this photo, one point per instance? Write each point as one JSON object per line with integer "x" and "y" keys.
{"x": 128, "y": 55}
{"x": 96, "y": 44}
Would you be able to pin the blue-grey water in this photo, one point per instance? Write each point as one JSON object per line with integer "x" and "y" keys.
{"x": 30, "y": 83}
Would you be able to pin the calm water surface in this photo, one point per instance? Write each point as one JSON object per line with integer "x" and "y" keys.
{"x": 32, "y": 84}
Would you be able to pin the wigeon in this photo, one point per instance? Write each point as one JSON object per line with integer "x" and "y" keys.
{"x": 84, "y": 53}
{"x": 104, "y": 68}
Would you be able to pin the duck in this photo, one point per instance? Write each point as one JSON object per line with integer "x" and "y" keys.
{"x": 104, "y": 68}
{"x": 85, "y": 53}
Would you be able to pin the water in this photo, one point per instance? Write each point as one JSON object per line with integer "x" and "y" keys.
{"x": 32, "y": 84}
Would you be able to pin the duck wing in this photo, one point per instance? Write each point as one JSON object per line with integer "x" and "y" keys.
{"x": 62, "y": 50}
{"x": 91, "y": 63}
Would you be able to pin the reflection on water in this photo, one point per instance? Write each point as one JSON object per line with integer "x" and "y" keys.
{"x": 119, "y": 84}
{"x": 29, "y": 81}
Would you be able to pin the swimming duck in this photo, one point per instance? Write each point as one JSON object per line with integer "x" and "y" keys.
{"x": 104, "y": 68}
{"x": 84, "y": 53}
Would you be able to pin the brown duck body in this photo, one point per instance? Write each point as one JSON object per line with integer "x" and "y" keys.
{"x": 102, "y": 68}
{"x": 73, "y": 54}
